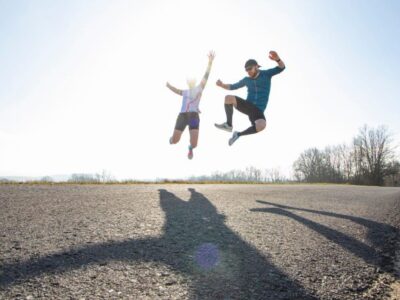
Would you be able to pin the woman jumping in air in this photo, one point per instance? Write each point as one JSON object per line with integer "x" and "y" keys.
{"x": 189, "y": 114}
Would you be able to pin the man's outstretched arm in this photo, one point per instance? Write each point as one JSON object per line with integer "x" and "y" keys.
{"x": 234, "y": 86}
{"x": 174, "y": 89}
{"x": 281, "y": 65}
{"x": 211, "y": 57}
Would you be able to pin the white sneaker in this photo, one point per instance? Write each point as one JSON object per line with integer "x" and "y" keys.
{"x": 224, "y": 126}
{"x": 234, "y": 137}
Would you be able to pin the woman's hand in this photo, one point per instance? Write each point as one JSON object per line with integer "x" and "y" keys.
{"x": 211, "y": 56}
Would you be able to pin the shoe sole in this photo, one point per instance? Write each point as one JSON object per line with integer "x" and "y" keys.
{"x": 223, "y": 128}
{"x": 232, "y": 140}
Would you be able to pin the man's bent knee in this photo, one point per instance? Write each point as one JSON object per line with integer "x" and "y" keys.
{"x": 229, "y": 99}
{"x": 260, "y": 125}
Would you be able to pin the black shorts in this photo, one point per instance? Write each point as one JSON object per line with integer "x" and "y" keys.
{"x": 249, "y": 109}
{"x": 187, "y": 118}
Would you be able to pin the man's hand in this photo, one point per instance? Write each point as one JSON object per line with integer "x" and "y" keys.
{"x": 223, "y": 85}
{"x": 273, "y": 55}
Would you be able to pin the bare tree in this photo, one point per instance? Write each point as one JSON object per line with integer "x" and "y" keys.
{"x": 274, "y": 175}
{"x": 315, "y": 165}
{"x": 104, "y": 176}
{"x": 309, "y": 164}
{"x": 393, "y": 173}
{"x": 253, "y": 174}
{"x": 46, "y": 179}
{"x": 373, "y": 151}
{"x": 334, "y": 164}
{"x": 347, "y": 162}
{"x": 82, "y": 178}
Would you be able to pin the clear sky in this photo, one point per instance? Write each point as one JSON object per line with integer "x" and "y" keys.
{"x": 82, "y": 83}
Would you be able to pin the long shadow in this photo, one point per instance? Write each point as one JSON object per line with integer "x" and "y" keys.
{"x": 195, "y": 243}
{"x": 380, "y": 235}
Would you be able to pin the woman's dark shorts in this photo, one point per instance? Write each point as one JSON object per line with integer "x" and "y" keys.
{"x": 248, "y": 108}
{"x": 187, "y": 118}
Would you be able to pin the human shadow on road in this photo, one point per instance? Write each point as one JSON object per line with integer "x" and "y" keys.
{"x": 195, "y": 243}
{"x": 381, "y": 236}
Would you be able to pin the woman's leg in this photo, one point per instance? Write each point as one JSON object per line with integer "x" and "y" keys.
{"x": 181, "y": 122}
{"x": 194, "y": 137}
{"x": 194, "y": 123}
{"x": 176, "y": 136}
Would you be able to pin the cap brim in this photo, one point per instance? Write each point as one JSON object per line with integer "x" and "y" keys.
{"x": 252, "y": 66}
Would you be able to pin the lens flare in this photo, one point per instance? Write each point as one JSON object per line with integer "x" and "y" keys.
{"x": 207, "y": 256}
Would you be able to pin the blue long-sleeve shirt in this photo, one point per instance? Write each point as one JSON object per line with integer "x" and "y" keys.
{"x": 258, "y": 88}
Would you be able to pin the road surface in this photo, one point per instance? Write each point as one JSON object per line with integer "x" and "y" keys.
{"x": 197, "y": 241}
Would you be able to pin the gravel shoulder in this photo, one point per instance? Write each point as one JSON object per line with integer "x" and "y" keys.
{"x": 198, "y": 241}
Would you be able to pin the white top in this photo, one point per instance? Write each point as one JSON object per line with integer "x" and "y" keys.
{"x": 191, "y": 99}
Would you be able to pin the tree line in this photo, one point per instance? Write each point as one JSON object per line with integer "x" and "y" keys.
{"x": 369, "y": 160}
{"x": 250, "y": 174}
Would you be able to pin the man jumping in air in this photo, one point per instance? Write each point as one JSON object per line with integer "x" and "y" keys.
{"x": 258, "y": 85}
{"x": 189, "y": 114}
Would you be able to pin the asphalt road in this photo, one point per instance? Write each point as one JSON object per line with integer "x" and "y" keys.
{"x": 197, "y": 241}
